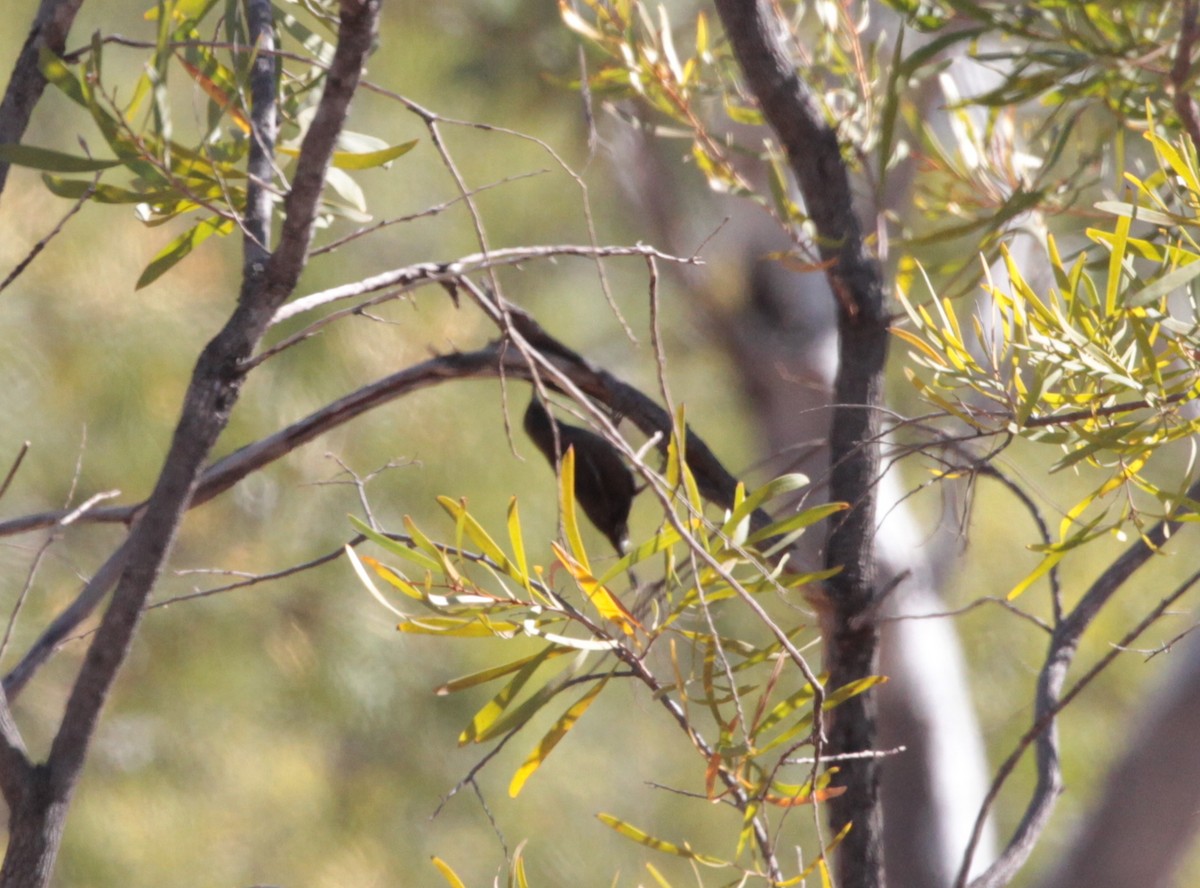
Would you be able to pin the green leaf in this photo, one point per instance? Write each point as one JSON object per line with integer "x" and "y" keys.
{"x": 52, "y": 161}
{"x": 74, "y": 189}
{"x": 491, "y": 674}
{"x": 1043, "y": 568}
{"x": 348, "y": 160}
{"x": 1116, "y": 263}
{"x": 1164, "y": 285}
{"x": 779, "y": 486}
{"x": 517, "y": 540}
{"x": 559, "y": 730}
{"x": 1129, "y": 210}
{"x": 174, "y": 252}
{"x": 644, "y": 838}
{"x": 517, "y": 717}
{"x": 458, "y": 511}
{"x": 348, "y": 190}
{"x": 933, "y": 50}
{"x": 55, "y": 70}
{"x": 396, "y": 547}
{"x": 483, "y": 724}
{"x": 852, "y": 689}
{"x": 891, "y": 105}
{"x": 664, "y": 539}
{"x": 796, "y": 522}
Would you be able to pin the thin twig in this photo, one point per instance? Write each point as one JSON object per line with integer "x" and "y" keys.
{"x": 37, "y": 248}
{"x": 425, "y": 213}
{"x": 12, "y": 471}
{"x": 967, "y": 608}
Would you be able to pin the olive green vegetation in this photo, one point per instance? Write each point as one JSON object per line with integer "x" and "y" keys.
{"x": 284, "y": 733}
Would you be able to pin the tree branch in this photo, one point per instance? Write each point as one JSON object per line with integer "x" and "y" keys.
{"x": 26, "y": 83}
{"x": 1064, "y": 643}
{"x": 445, "y": 272}
{"x": 38, "y": 818}
{"x": 1179, "y": 79}
{"x": 816, "y": 160}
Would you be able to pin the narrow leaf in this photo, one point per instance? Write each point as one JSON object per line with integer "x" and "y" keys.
{"x": 52, "y": 161}
{"x": 564, "y": 724}
{"x": 1043, "y": 568}
{"x": 769, "y": 491}
{"x": 1164, "y": 285}
{"x": 367, "y": 581}
{"x": 1116, "y": 263}
{"x": 566, "y": 498}
{"x": 609, "y": 606}
{"x": 481, "y": 538}
{"x": 644, "y": 838}
{"x": 798, "y": 521}
{"x": 178, "y": 249}
{"x": 395, "y": 546}
{"x": 448, "y": 874}
{"x": 491, "y": 674}
{"x": 516, "y": 538}
{"x": 485, "y": 719}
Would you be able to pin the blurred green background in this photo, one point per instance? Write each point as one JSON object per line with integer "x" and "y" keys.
{"x": 284, "y": 733}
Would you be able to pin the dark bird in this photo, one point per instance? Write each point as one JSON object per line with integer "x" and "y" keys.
{"x": 603, "y": 484}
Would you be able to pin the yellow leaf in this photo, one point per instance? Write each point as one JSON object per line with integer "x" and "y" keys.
{"x": 564, "y": 724}
{"x": 643, "y": 838}
{"x": 609, "y": 606}
{"x": 566, "y": 497}
{"x": 1043, "y": 568}
{"x": 485, "y": 719}
{"x": 448, "y": 874}
{"x": 918, "y": 343}
{"x": 518, "y": 543}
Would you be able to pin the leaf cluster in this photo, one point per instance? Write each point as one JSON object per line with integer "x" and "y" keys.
{"x": 1103, "y": 365}
{"x": 729, "y": 682}
{"x": 167, "y": 178}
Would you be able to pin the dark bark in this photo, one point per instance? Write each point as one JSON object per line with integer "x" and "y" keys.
{"x": 26, "y": 84}
{"x": 851, "y": 638}
{"x": 39, "y": 807}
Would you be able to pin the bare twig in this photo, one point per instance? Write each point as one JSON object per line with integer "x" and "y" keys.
{"x": 12, "y": 471}
{"x": 1049, "y": 700}
{"x": 37, "y": 248}
{"x": 433, "y": 123}
{"x": 988, "y": 469}
{"x": 967, "y": 608}
{"x": 422, "y": 214}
